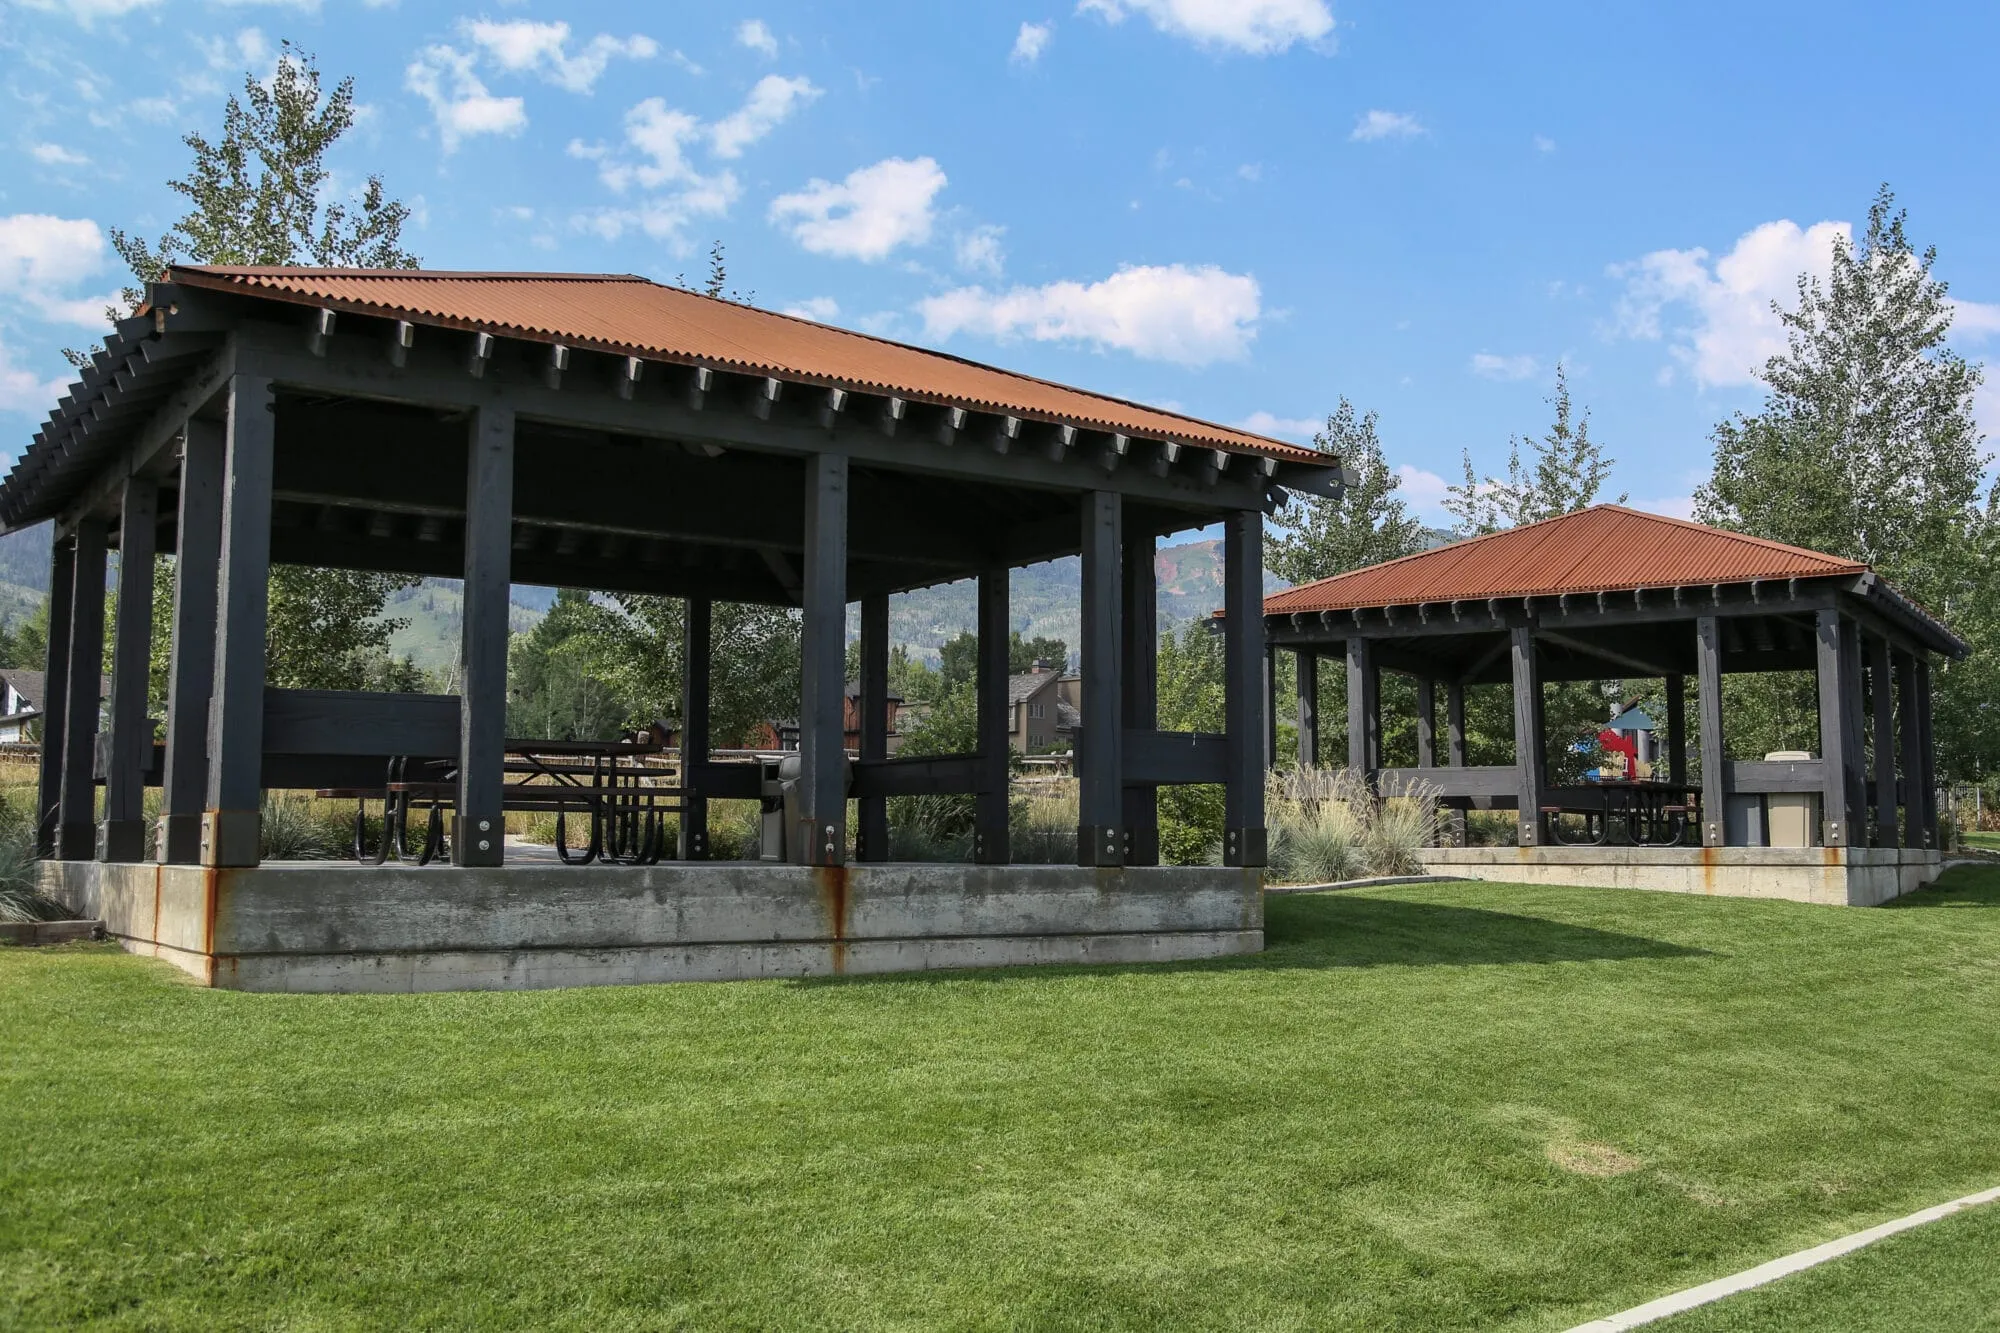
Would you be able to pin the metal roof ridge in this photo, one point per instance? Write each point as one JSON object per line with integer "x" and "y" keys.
{"x": 442, "y": 274}
{"x": 1749, "y": 537}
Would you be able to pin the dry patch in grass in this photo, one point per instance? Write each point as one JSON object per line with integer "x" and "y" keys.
{"x": 1585, "y": 1158}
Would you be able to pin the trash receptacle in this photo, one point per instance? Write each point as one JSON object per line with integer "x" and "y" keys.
{"x": 790, "y": 811}
{"x": 771, "y": 811}
{"x": 1790, "y": 817}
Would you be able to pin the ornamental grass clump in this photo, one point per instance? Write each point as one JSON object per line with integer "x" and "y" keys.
{"x": 1326, "y": 826}
{"x": 20, "y": 898}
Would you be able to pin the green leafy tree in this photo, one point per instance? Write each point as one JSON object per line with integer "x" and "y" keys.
{"x": 1866, "y": 446}
{"x": 326, "y": 627}
{"x": 1191, "y": 698}
{"x": 633, "y": 642}
{"x": 1567, "y": 471}
{"x": 1316, "y": 538}
{"x": 958, "y": 656}
{"x": 553, "y": 690}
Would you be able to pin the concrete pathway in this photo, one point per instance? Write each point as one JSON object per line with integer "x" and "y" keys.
{"x": 1709, "y": 1292}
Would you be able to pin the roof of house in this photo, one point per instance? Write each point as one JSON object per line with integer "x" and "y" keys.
{"x": 1028, "y": 684}
{"x": 1606, "y": 548}
{"x": 28, "y": 684}
{"x": 853, "y": 688}
{"x": 624, "y": 313}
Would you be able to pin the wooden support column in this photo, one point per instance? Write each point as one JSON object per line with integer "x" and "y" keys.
{"x": 197, "y": 555}
{"x": 1100, "y": 837}
{"x": 1882, "y": 701}
{"x": 1364, "y": 710}
{"x": 231, "y": 825}
{"x": 1910, "y": 716}
{"x": 820, "y": 836}
{"x": 1308, "y": 692}
{"x": 479, "y": 837}
{"x": 55, "y": 695}
{"x": 1247, "y": 708}
{"x": 1834, "y": 750}
{"x": 1270, "y": 702}
{"x": 1714, "y": 757}
{"x": 1528, "y": 759}
{"x": 1139, "y": 687}
{"x": 1426, "y": 722}
{"x": 989, "y": 820}
{"x": 1677, "y": 731}
{"x": 697, "y": 618}
{"x": 122, "y": 837}
{"x": 1854, "y": 728}
{"x": 76, "y": 838}
{"x": 1454, "y": 722}
{"x": 871, "y": 837}
{"x": 1926, "y": 799}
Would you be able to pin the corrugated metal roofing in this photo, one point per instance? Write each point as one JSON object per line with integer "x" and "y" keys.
{"x": 1607, "y": 548}
{"x": 630, "y": 315}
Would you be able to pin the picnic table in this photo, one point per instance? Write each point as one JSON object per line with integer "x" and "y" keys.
{"x": 620, "y": 787}
{"x": 1654, "y": 814}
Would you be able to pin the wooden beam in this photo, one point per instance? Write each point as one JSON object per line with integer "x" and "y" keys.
{"x": 1244, "y": 842}
{"x": 479, "y": 833}
{"x": 1625, "y": 661}
{"x": 871, "y": 839}
{"x": 1364, "y": 710}
{"x": 1100, "y": 839}
{"x": 1426, "y": 723}
{"x": 77, "y": 830}
{"x": 1454, "y": 723}
{"x": 820, "y": 836}
{"x": 1708, "y": 698}
{"x": 1926, "y": 797}
{"x": 230, "y": 828}
{"x": 1882, "y": 698}
{"x": 1836, "y": 819}
{"x": 123, "y": 834}
{"x": 1308, "y": 696}
{"x": 1139, "y": 689}
{"x": 989, "y": 822}
{"x": 696, "y": 636}
{"x": 1528, "y": 758}
{"x": 55, "y": 694}
{"x": 1677, "y": 752}
{"x": 1162, "y": 758}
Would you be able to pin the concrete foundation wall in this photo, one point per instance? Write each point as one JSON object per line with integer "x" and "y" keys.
{"x": 1842, "y": 876}
{"x": 341, "y": 927}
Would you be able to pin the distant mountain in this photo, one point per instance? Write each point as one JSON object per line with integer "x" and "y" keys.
{"x": 24, "y": 558}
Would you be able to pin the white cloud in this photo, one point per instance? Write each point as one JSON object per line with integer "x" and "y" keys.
{"x": 40, "y": 252}
{"x": 1189, "y": 316}
{"x": 1425, "y": 492}
{"x": 1974, "y": 319}
{"x": 158, "y": 110}
{"x": 1727, "y": 329}
{"x": 1488, "y": 365}
{"x": 1291, "y": 428}
{"x": 463, "y": 108}
{"x": 978, "y": 251}
{"x": 248, "y": 48}
{"x": 1251, "y": 171}
{"x": 867, "y": 215}
{"x": 1373, "y": 125}
{"x": 1544, "y": 144}
{"x": 88, "y": 11}
{"x": 1031, "y": 41}
{"x": 21, "y": 391}
{"x": 520, "y": 46}
{"x": 658, "y": 136}
{"x": 55, "y": 155}
{"x": 769, "y": 104}
{"x": 1259, "y": 27}
{"x": 756, "y": 34}
{"x": 821, "y": 308}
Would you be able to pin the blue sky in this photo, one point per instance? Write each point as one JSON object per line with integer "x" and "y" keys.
{"x": 1240, "y": 208}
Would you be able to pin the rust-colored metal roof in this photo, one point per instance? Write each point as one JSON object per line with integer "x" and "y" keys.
{"x": 1607, "y": 548}
{"x": 632, "y": 316}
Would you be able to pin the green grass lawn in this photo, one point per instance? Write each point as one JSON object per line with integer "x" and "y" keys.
{"x": 1985, "y": 842}
{"x": 1433, "y": 1106}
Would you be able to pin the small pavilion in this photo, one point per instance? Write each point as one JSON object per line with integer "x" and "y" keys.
{"x": 606, "y": 433}
{"x": 1610, "y": 592}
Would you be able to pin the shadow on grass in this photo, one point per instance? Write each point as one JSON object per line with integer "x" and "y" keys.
{"x": 1329, "y": 930}
{"x": 1960, "y": 886}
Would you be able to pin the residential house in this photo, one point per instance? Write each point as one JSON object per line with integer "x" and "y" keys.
{"x": 1042, "y": 712}
{"x": 21, "y": 703}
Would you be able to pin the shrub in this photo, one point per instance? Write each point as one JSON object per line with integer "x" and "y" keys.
{"x": 20, "y": 896}
{"x": 1042, "y": 824}
{"x": 1326, "y": 826}
{"x": 296, "y": 830}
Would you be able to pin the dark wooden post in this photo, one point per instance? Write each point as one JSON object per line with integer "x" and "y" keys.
{"x": 1308, "y": 691}
{"x": 1454, "y": 722}
{"x": 123, "y": 835}
{"x": 197, "y": 555}
{"x": 1364, "y": 710}
{"x": 1100, "y": 840}
{"x": 1270, "y": 701}
{"x": 54, "y": 702}
{"x": 1139, "y": 689}
{"x": 1927, "y": 757}
{"x": 1677, "y": 731}
{"x": 696, "y": 636}
{"x": 1854, "y": 729}
{"x": 480, "y": 838}
{"x": 77, "y": 837}
{"x": 1528, "y": 759}
{"x": 1835, "y": 817}
{"x": 820, "y": 836}
{"x": 989, "y": 820}
{"x": 1881, "y": 697}
{"x": 1910, "y": 717}
{"x": 1426, "y": 723}
{"x": 1714, "y": 757}
{"x": 231, "y": 824}
{"x": 1247, "y": 707}
{"x": 871, "y": 836}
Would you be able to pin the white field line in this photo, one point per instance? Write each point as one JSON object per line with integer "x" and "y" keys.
{"x": 1777, "y": 1268}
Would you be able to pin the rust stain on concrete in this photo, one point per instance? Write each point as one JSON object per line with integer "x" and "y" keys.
{"x": 1708, "y": 868}
{"x": 211, "y": 887}
{"x": 831, "y": 881}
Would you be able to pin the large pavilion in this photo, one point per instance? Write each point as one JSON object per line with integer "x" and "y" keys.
{"x": 611, "y": 434}
{"x": 1613, "y": 593}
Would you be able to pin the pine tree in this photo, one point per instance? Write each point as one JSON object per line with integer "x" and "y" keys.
{"x": 1568, "y": 470}
{"x": 1368, "y": 524}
